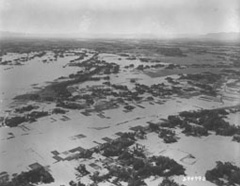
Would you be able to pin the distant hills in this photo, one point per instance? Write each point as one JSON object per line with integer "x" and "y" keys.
{"x": 223, "y": 36}
{"x": 220, "y": 36}
{"x": 5, "y": 34}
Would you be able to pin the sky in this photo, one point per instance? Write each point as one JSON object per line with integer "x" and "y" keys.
{"x": 91, "y": 17}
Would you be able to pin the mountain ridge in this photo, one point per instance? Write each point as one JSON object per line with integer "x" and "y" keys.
{"x": 223, "y": 36}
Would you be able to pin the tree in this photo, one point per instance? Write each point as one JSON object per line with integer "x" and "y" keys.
{"x": 138, "y": 163}
{"x": 168, "y": 182}
{"x": 136, "y": 182}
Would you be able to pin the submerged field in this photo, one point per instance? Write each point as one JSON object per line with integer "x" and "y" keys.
{"x": 119, "y": 112}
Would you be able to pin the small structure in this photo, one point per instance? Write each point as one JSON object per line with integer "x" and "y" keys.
{"x": 82, "y": 169}
{"x": 35, "y": 166}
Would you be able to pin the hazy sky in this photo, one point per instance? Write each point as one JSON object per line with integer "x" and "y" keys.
{"x": 158, "y": 17}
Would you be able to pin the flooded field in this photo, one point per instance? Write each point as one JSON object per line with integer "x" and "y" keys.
{"x": 95, "y": 112}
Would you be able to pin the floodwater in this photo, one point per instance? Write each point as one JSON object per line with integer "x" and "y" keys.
{"x": 19, "y": 79}
{"x": 52, "y": 133}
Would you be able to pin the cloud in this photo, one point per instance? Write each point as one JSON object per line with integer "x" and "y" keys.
{"x": 119, "y": 16}
{"x": 85, "y": 23}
